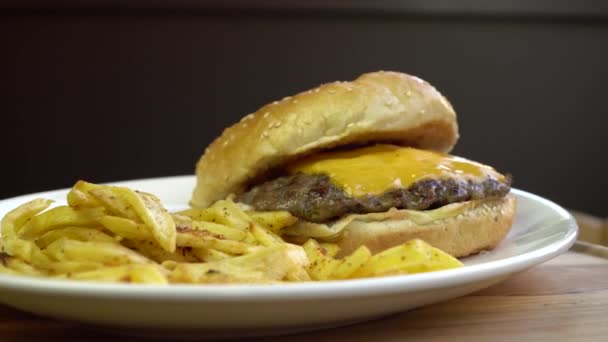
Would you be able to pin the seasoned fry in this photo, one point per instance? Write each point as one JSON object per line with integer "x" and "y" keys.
{"x": 411, "y": 257}
{"x": 149, "y": 274}
{"x": 116, "y": 205}
{"x": 265, "y": 237}
{"x": 321, "y": 265}
{"x": 16, "y": 218}
{"x": 331, "y": 249}
{"x": 224, "y": 212}
{"x": 115, "y": 234}
{"x": 209, "y": 254}
{"x": 265, "y": 265}
{"x": 73, "y": 233}
{"x": 79, "y": 197}
{"x": 59, "y": 217}
{"x": 186, "y": 223}
{"x": 125, "y": 227}
{"x": 153, "y": 214}
{"x": 150, "y": 249}
{"x": 204, "y": 239}
{"x": 107, "y": 253}
{"x": 273, "y": 220}
{"x": 350, "y": 264}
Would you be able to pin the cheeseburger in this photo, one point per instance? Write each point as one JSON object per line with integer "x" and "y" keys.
{"x": 361, "y": 163}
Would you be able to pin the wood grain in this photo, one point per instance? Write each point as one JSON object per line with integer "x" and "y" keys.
{"x": 565, "y": 299}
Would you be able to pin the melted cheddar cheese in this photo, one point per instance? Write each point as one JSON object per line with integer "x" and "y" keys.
{"x": 376, "y": 169}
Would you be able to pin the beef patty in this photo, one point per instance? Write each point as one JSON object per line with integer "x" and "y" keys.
{"x": 314, "y": 198}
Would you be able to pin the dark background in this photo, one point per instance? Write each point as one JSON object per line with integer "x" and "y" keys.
{"x": 137, "y": 89}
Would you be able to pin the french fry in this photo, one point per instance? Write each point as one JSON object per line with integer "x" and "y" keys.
{"x": 209, "y": 254}
{"x": 150, "y": 249}
{"x": 265, "y": 265}
{"x": 331, "y": 249}
{"x": 223, "y": 212}
{"x": 411, "y": 257}
{"x": 116, "y": 205}
{"x": 16, "y": 218}
{"x": 321, "y": 266}
{"x": 125, "y": 227}
{"x": 227, "y": 232}
{"x": 273, "y": 220}
{"x": 73, "y": 233}
{"x": 115, "y": 234}
{"x": 201, "y": 239}
{"x": 65, "y": 267}
{"x": 110, "y": 254}
{"x": 79, "y": 196}
{"x": 153, "y": 214}
{"x": 265, "y": 237}
{"x": 23, "y": 267}
{"x": 350, "y": 264}
{"x": 149, "y": 274}
{"x": 58, "y": 217}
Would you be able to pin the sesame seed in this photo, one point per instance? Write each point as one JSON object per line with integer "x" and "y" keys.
{"x": 408, "y": 93}
{"x": 266, "y": 114}
{"x": 275, "y": 102}
{"x": 295, "y": 101}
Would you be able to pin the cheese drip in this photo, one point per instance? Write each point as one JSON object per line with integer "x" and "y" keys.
{"x": 374, "y": 170}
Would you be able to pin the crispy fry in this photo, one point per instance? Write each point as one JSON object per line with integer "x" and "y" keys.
{"x": 203, "y": 239}
{"x": 227, "y": 232}
{"x": 58, "y": 217}
{"x": 224, "y": 212}
{"x": 411, "y": 257}
{"x": 265, "y": 237}
{"x": 149, "y": 274}
{"x": 265, "y": 265}
{"x": 16, "y": 218}
{"x": 273, "y": 220}
{"x": 331, "y": 249}
{"x": 107, "y": 253}
{"x": 22, "y": 267}
{"x": 153, "y": 214}
{"x": 150, "y": 249}
{"x": 321, "y": 265}
{"x": 116, "y": 205}
{"x": 139, "y": 207}
{"x": 209, "y": 254}
{"x": 126, "y": 228}
{"x": 350, "y": 264}
{"x": 79, "y": 196}
{"x": 64, "y": 267}
{"x": 115, "y": 234}
{"x": 74, "y": 233}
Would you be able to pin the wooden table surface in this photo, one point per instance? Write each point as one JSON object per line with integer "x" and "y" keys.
{"x": 565, "y": 299}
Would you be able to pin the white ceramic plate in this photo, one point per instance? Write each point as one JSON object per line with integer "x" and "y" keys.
{"x": 542, "y": 230}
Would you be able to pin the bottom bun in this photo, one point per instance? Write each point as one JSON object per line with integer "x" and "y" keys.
{"x": 459, "y": 229}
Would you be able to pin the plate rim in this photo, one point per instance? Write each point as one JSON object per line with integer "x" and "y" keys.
{"x": 295, "y": 291}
